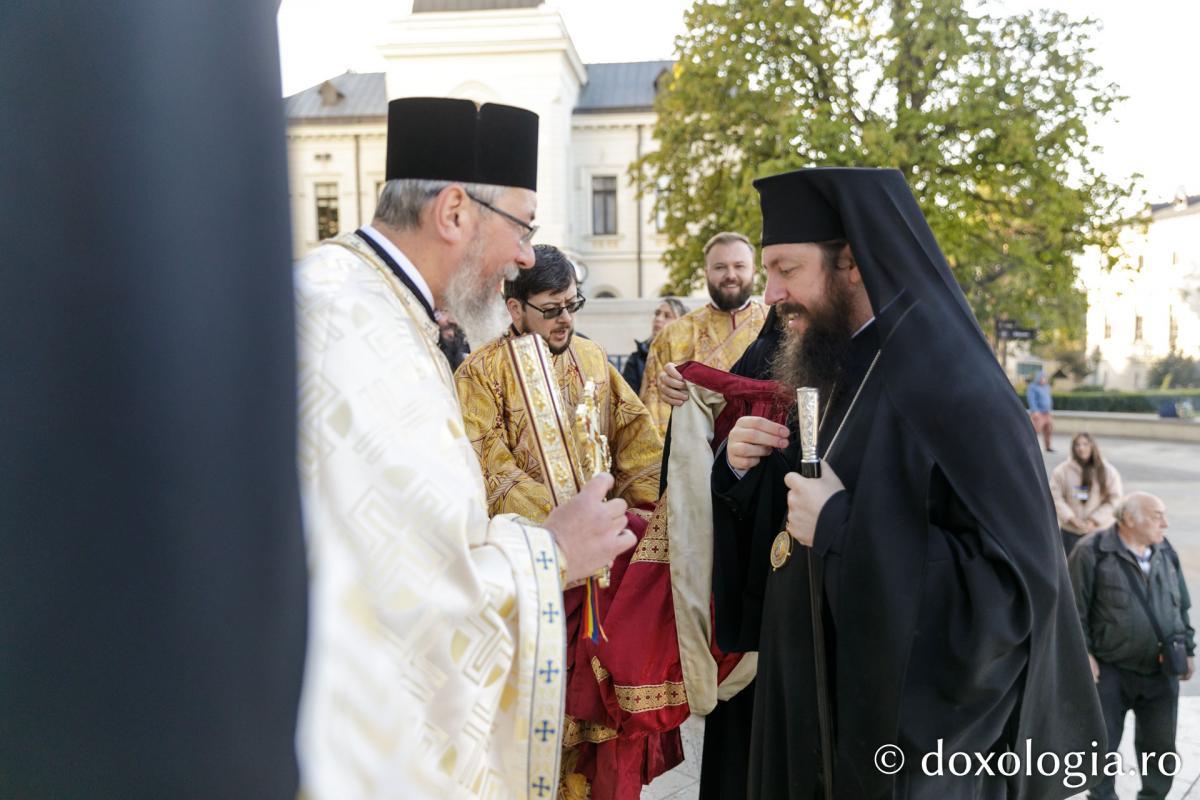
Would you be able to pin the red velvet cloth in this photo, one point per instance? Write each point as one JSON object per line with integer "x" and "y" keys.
{"x": 744, "y": 397}
{"x": 638, "y": 614}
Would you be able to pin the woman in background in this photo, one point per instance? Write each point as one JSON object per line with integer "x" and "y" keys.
{"x": 1085, "y": 488}
{"x": 669, "y": 310}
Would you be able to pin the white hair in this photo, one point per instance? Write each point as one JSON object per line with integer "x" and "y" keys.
{"x": 1131, "y": 509}
{"x": 403, "y": 199}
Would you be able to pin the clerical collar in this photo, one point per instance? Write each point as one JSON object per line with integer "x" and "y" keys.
{"x": 862, "y": 328}
{"x": 401, "y": 260}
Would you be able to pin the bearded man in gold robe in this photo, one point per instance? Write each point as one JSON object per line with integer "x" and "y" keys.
{"x": 617, "y": 737}
{"x": 716, "y": 334}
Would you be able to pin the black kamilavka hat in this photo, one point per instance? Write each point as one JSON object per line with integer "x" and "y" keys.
{"x": 438, "y": 138}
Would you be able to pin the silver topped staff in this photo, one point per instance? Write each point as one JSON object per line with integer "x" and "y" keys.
{"x": 808, "y": 420}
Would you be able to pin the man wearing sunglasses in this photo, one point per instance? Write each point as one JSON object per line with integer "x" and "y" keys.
{"x": 614, "y": 741}
{"x": 544, "y": 300}
{"x": 537, "y": 305}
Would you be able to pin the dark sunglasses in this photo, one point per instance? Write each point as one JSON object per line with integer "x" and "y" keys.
{"x": 550, "y": 312}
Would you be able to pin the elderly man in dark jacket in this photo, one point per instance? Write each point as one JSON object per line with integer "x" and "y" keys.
{"x": 1119, "y": 574}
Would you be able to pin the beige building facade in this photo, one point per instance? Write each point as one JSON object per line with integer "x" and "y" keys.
{"x": 596, "y": 119}
{"x": 1149, "y": 305}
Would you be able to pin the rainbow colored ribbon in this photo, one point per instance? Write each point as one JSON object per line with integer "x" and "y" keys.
{"x": 591, "y": 612}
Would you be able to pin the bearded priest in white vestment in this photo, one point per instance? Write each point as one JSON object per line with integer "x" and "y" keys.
{"x": 436, "y": 644}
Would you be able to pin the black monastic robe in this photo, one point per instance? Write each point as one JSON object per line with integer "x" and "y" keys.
{"x": 967, "y": 648}
{"x": 949, "y": 614}
{"x": 969, "y": 597}
{"x": 785, "y": 755}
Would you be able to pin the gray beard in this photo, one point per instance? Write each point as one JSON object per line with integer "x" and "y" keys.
{"x": 476, "y": 302}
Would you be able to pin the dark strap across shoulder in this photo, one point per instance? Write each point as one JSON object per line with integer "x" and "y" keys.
{"x": 397, "y": 271}
{"x": 1137, "y": 588}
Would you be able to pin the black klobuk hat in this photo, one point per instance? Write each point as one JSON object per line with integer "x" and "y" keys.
{"x": 796, "y": 210}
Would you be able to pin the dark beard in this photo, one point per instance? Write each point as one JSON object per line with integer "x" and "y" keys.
{"x": 816, "y": 356}
{"x": 523, "y": 328}
{"x": 724, "y": 301}
{"x": 558, "y": 351}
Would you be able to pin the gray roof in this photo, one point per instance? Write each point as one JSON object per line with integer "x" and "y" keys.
{"x": 1178, "y": 207}
{"x": 349, "y": 95}
{"x": 425, "y": 6}
{"x": 625, "y": 86}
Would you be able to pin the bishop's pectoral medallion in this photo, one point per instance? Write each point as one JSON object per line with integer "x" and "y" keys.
{"x": 781, "y": 549}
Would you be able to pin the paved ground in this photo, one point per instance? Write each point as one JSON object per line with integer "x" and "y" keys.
{"x": 1169, "y": 470}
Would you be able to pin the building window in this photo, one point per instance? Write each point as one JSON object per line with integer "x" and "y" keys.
{"x": 327, "y": 209}
{"x": 604, "y": 205}
{"x": 1137, "y": 328}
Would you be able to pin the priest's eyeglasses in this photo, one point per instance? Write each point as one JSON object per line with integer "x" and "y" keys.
{"x": 530, "y": 230}
{"x": 550, "y": 312}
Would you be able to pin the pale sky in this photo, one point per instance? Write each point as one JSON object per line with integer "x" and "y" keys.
{"x": 1147, "y": 46}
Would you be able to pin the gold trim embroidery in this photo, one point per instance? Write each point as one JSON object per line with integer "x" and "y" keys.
{"x": 581, "y": 730}
{"x": 599, "y": 671}
{"x": 757, "y": 314}
{"x": 644, "y": 513}
{"x": 639, "y": 699}
{"x": 654, "y": 546}
{"x": 528, "y": 355}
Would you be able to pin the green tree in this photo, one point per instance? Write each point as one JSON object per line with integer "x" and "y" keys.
{"x": 1175, "y": 371}
{"x": 987, "y": 116}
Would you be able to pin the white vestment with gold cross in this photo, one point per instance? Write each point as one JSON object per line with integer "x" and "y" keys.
{"x": 436, "y": 635}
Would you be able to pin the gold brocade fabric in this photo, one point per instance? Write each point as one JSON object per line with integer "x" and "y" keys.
{"x": 498, "y": 426}
{"x": 712, "y": 337}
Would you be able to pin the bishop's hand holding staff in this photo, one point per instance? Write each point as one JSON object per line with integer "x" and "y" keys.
{"x": 754, "y": 438}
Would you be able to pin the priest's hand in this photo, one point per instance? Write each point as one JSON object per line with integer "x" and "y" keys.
{"x": 806, "y": 498}
{"x": 590, "y": 530}
{"x": 752, "y": 439}
{"x": 672, "y": 388}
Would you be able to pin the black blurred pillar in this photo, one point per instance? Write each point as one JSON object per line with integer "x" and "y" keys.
{"x": 152, "y": 584}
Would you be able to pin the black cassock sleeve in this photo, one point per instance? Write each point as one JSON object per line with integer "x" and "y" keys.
{"x": 747, "y": 514}
{"x": 970, "y": 645}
